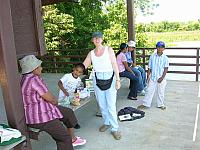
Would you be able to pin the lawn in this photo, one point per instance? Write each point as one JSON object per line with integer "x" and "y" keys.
{"x": 177, "y": 36}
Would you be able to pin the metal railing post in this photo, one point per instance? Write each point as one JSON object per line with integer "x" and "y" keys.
{"x": 197, "y": 65}
{"x": 143, "y": 59}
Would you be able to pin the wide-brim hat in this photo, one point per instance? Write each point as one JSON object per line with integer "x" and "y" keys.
{"x": 29, "y": 63}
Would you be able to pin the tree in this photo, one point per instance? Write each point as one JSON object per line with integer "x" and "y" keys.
{"x": 70, "y": 25}
{"x": 56, "y": 26}
{"x": 88, "y": 17}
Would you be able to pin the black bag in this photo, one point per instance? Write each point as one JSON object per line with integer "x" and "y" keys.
{"x": 104, "y": 84}
{"x": 130, "y": 114}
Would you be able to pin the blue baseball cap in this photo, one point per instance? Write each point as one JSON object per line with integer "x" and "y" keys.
{"x": 97, "y": 34}
{"x": 160, "y": 44}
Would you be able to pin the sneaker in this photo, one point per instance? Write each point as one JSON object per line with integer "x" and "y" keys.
{"x": 142, "y": 107}
{"x": 132, "y": 98}
{"x": 162, "y": 107}
{"x": 103, "y": 128}
{"x": 78, "y": 141}
{"x": 116, "y": 135}
{"x": 142, "y": 93}
{"x": 145, "y": 88}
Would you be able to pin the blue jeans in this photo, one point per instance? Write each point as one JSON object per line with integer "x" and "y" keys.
{"x": 107, "y": 100}
{"x": 141, "y": 74}
{"x": 134, "y": 80}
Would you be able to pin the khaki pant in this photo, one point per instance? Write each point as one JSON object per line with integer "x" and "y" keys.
{"x": 159, "y": 89}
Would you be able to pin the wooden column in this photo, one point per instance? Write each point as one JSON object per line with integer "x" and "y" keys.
{"x": 27, "y": 27}
{"x": 131, "y": 23}
{"x": 131, "y": 20}
{"x": 9, "y": 76}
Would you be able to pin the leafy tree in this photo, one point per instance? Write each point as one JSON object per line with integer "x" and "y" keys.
{"x": 56, "y": 26}
{"x": 88, "y": 17}
{"x": 117, "y": 18}
{"x": 145, "y": 6}
{"x": 69, "y": 25}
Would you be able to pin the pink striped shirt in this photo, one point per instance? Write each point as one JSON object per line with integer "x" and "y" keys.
{"x": 37, "y": 110}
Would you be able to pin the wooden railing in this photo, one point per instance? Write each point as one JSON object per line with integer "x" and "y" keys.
{"x": 61, "y": 61}
{"x": 144, "y": 56}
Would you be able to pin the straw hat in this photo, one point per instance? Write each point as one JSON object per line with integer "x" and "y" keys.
{"x": 29, "y": 63}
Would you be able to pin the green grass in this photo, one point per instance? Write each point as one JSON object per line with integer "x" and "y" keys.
{"x": 177, "y": 36}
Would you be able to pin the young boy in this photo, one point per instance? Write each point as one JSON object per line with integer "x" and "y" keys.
{"x": 69, "y": 82}
{"x": 157, "y": 69}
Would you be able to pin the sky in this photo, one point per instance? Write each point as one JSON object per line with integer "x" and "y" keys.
{"x": 173, "y": 10}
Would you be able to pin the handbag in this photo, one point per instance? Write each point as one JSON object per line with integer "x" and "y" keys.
{"x": 104, "y": 84}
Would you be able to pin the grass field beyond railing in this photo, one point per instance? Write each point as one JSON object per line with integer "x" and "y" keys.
{"x": 177, "y": 36}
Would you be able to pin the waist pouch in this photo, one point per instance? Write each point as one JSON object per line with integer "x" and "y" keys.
{"x": 104, "y": 84}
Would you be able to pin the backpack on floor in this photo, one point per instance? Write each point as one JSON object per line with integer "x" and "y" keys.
{"x": 130, "y": 114}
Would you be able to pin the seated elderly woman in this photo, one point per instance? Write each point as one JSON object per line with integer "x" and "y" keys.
{"x": 126, "y": 71}
{"x": 41, "y": 107}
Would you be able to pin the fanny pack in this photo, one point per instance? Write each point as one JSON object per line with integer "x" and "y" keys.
{"x": 104, "y": 84}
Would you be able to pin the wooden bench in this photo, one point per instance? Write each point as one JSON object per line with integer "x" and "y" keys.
{"x": 123, "y": 79}
{"x": 8, "y": 147}
{"x": 34, "y": 133}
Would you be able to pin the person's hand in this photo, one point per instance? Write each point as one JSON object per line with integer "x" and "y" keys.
{"x": 118, "y": 84}
{"x": 160, "y": 80}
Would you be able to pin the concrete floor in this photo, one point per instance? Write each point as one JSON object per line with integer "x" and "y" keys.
{"x": 171, "y": 129}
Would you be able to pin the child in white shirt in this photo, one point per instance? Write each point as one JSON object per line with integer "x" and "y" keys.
{"x": 69, "y": 82}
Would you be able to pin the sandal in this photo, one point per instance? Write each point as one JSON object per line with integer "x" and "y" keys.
{"x": 162, "y": 107}
{"x": 142, "y": 107}
{"x": 98, "y": 114}
{"x": 132, "y": 98}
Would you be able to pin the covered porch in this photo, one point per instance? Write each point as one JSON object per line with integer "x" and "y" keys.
{"x": 176, "y": 128}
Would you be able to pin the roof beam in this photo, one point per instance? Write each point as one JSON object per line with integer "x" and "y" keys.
{"x": 49, "y": 2}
